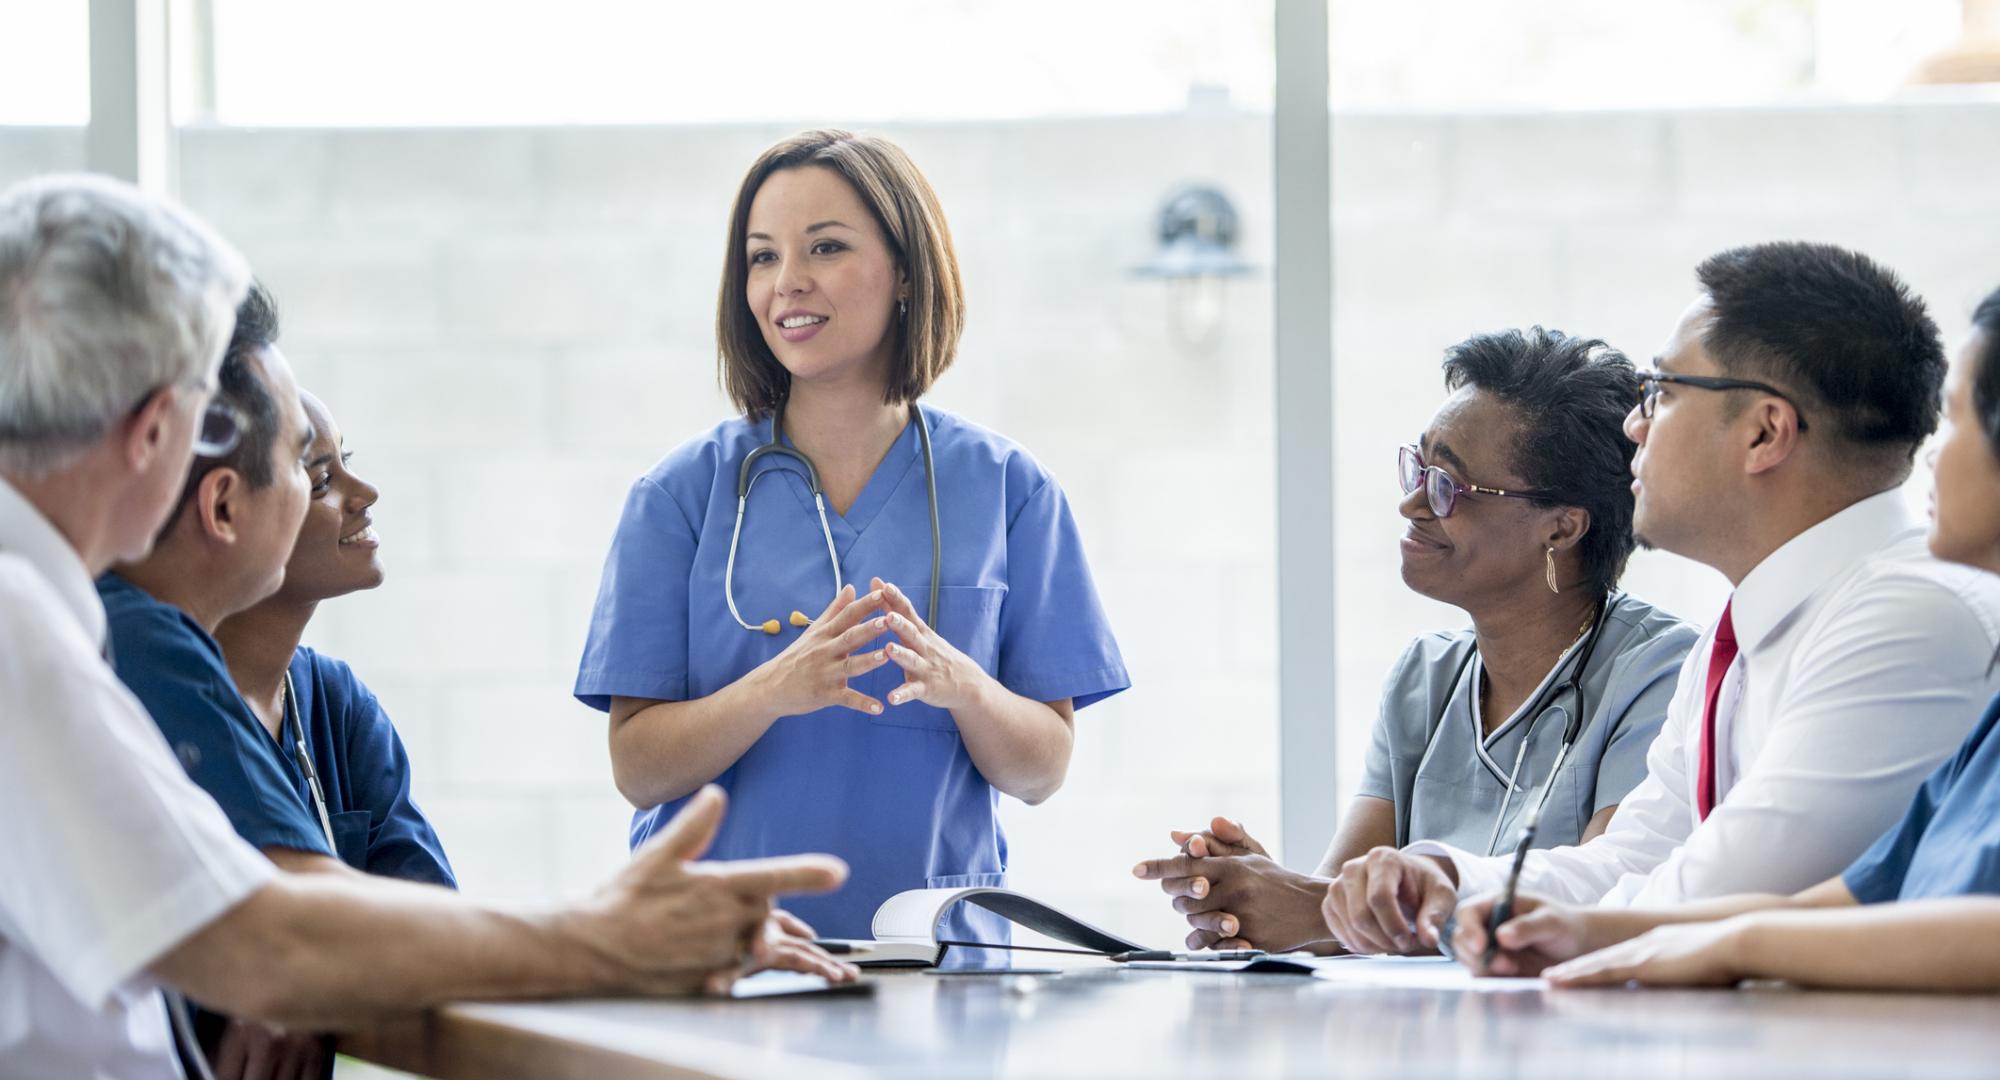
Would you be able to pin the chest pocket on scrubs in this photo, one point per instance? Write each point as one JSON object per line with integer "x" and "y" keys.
{"x": 350, "y": 837}
{"x": 968, "y": 617}
{"x": 1452, "y": 797}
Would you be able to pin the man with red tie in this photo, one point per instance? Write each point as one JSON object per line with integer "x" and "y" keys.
{"x": 1774, "y": 436}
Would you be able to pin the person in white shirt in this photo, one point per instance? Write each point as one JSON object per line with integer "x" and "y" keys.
{"x": 1919, "y": 910}
{"x": 1784, "y": 415}
{"x": 118, "y": 876}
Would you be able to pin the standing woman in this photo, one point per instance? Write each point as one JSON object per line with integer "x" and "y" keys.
{"x": 863, "y": 618}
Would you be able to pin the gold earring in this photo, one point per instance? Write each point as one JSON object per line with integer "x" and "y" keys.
{"x": 1551, "y": 575}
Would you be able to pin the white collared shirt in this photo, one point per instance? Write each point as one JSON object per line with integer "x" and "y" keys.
{"x": 110, "y": 855}
{"x": 1863, "y": 662}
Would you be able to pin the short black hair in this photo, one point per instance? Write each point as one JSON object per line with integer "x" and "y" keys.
{"x": 1836, "y": 327}
{"x": 1572, "y": 394}
{"x": 240, "y": 387}
{"x": 1985, "y": 372}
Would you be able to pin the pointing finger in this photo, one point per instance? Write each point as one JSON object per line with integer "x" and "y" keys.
{"x": 690, "y": 831}
{"x": 779, "y": 876}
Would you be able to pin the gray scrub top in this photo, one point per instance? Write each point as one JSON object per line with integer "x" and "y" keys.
{"x": 1447, "y": 782}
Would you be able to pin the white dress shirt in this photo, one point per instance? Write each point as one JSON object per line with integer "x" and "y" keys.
{"x": 1863, "y": 662}
{"x": 110, "y": 855}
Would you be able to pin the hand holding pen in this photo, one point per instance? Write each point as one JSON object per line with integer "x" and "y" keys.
{"x": 1541, "y": 934}
{"x": 1474, "y": 929}
{"x": 1504, "y": 910}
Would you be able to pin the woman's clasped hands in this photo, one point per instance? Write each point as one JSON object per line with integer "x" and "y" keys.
{"x": 814, "y": 671}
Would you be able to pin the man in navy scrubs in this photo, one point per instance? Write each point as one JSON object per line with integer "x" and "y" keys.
{"x": 223, "y": 550}
{"x": 352, "y": 764}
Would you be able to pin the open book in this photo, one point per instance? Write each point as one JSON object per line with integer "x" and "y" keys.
{"x": 906, "y": 927}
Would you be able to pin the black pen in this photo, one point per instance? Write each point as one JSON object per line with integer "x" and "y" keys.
{"x": 1504, "y": 910}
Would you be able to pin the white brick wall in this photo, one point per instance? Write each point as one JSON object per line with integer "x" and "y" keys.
{"x": 27, "y": 151}
{"x": 1799, "y": 166}
{"x": 511, "y": 324}
{"x": 1577, "y": 167}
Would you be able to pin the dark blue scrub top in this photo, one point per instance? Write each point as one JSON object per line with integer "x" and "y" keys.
{"x": 1948, "y": 843}
{"x": 177, "y": 672}
{"x": 365, "y": 774}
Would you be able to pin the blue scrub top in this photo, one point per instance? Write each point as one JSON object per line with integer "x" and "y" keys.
{"x": 895, "y": 795}
{"x": 364, "y": 773}
{"x": 1948, "y": 843}
{"x": 177, "y": 672}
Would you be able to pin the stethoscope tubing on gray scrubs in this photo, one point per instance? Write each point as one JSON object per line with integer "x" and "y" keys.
{"x": 777, "y": 448}
{"x": 1578, "y": 661}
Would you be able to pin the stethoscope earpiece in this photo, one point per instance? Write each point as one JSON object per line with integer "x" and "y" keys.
{"x": 770, "y": 626}
{"x": 798, "y": 619}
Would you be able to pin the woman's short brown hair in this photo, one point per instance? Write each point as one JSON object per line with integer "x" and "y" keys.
{"x": 908, "y": 213}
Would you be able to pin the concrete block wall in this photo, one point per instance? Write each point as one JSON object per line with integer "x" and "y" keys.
{"x": 510, "y": 324}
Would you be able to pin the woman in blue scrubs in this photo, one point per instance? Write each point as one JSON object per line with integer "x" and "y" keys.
{"x": 353, "y": 750}
{"x": 882, "y": 717}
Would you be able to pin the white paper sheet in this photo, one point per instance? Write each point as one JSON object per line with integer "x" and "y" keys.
{"x": 1415, "y": 973}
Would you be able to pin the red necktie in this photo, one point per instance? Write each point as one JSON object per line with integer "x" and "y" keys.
{"x": 1719, "y": 659}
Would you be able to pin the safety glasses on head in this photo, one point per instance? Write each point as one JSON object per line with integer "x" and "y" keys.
{"x": 1439, "y": 488}
{"x": 221, "y": 429}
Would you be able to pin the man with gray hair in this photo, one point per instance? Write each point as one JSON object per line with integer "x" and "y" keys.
{"x": 118, "y": 876}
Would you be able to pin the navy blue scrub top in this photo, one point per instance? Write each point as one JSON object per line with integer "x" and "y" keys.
{"x": 365, "y": 774}
{"x": 177, "y": 671}
{"x": 1948, "y": 843}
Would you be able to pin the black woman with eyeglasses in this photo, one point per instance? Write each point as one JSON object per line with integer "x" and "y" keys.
{"x": 1519, "y": 509}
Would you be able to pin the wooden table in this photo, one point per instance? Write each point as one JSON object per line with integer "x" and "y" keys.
{"x": 1104, "y": 1021}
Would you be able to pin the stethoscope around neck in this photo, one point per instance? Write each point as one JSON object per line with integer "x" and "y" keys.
{"x": 296, "y": 727}
{"x": 1577, "y": 660}
{"x": 777, "y": 448}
